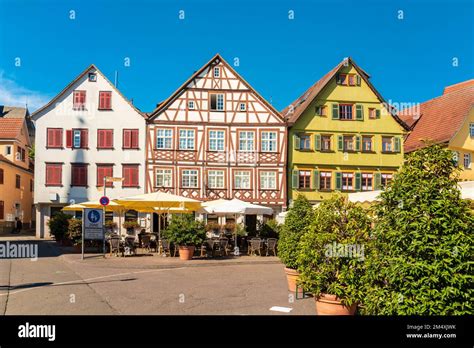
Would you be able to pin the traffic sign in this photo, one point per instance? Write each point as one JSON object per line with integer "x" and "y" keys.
{"x": 93, "y": 228}
{"x": 104, "y": 200}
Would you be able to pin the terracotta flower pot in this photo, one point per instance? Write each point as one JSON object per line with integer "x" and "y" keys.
{"x": 327, "y": 304}
{"x": 292, "y": 277}
{"x": 186, "y": 252}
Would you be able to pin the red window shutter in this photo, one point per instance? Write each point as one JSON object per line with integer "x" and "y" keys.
{"x": 50, "y": 137}
{"x": 69, "y": 138}
{"x": 130, "y": 175}
{"x": 59, "y": 138}
{"x": 135, "y": 176}
{"x": 1, "y": 176}
{"x": 100, "y": 138}
{"x": 82, "y": 97}
{"x": 84, "y": 175}
{"x": 126, "y": 177}
{"x": 100, "y": 175}
{"x": 2, "y": 211}
{"x": 105, "y": 99}
{"x": 74, "y": 175}
{"x": 134, "y": 140}
{"x": 127, "y": 141}
{"x": 109, "y": 138}
{"x": 84, "y": 138}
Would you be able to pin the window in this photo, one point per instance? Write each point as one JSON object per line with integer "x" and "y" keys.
{"x": 367, "y": 179}
{"x": 217, "y": 102}
{"x": 366, "y": 143}
{"x": 348, "y": 143}
{"x": 215, "y": 179}
{"x": 54, "y": 137}
{"x": 186, "y": 139}
{"x": 78, "y": 175}
{"x": 2, "y": 176}
{"x": 471, "y": 130}
{"x": 242, "y": 106}
{"x": 217, "y": 72}
{"x": 242, "y": 179}
{"x": 2, "y": 210}
{"x": 341, "y": 79}
{"x": 269, "y": 142}
{"x": 246, "y": 141}
{"x": 385, "y": 179}
{"x": 325, "y": 180}
{"x": 163, "y": 178}
{"x": 325, "y": 143}
{"x": 105, "y": 138}
{"x": 467, "y": 161}
{"x": 92, "y": 77}
{"x": 345, "y": 111}
{"x": 21, "y": 154}
{"x": 304, "y": 179}
{"x": 130, "y": 175}
{"x": 352, "y": 80}
{"x": 305, "y": 142}
{"x": 130, "y": 139}
{"x": 53, "y": 174}
{"x": 104, "y": 170}
{"x": 347, "y": 181}
{"x": 387, "y": 145}
{"x": 79, "y": 100}
{"x": 77, "y": 138}
{"x": 105, "y": 100}
{"x": 268, "y": 180}
{"x": 216, "y": 140}
{"x": 321, "y": 110}
{"x": 8, "y": 150}
{"x": 164, "y": 138}
{"x": 372, "y": 113}
{"x": 191, "y": 105}
{"x": 189, "y": 178}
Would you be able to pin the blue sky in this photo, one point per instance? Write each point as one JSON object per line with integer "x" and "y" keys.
{"x": 410, "y": 60}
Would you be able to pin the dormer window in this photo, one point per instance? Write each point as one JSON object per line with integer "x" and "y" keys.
{"x": 217, "y": 72}
{"x": 92, "y": 77}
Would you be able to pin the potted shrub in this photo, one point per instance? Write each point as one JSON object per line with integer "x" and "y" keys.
{"x": 420, "y": 260}
{"x": 297, "y": 220}
{"x": 331, "y": 256}
{"x": 74, "y": 233}
{"x": 185, "y": 232}
{"x": 110, "y": 226}
{"x": 269, "y": 229}
{"x": 131, "y": 226}
{"x": 58, "y": 226}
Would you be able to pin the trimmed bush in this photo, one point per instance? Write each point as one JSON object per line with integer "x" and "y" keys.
{"x": 183, "y": 230}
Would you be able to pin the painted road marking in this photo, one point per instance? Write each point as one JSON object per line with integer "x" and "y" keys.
{"x": 281, "y": 309}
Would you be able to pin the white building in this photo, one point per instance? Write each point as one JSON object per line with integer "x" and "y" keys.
{"x": 87, "y": 131}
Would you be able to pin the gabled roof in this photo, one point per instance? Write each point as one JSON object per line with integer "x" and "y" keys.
{"x": 439, "y": 119}
{"x": 293, "y": 111}
{"x": 216, "y": 59}
{"x": 10, "y": 128}
{"x": 90, "y": 68}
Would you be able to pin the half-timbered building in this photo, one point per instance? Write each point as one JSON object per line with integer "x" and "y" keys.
{"x": 216, "y": 137}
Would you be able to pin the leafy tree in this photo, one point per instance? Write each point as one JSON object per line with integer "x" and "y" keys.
{"x": 184, "y": 230}
{"x": 58, "y": 225}
{"x": 332, "y": 251}
{"x": 421, "y": 256}
{"x": 297, "y": 220}
{"x": 31, "y": 152}
{"x": 75, "y": 230}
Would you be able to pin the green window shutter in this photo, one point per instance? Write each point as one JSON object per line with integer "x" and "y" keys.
{"x": 295, "y": 181}
{"x": 338, "y": 181}
{"x": 297, "y": 141}
{"x": 335, "y": 111}
{"x": 358, "y": 80}
{"x": 340, "y": 143}
{"x": 337, "y": 79}
{"x": 396, "y": 144}
{"x": 378, "y": 181}
{"x": 377, "y": 113}
{"x": 317, "y": 142}
{"x": 358, "y": 177}
{"x": 357, "y": 142}
{"x": 359, "y": 112}
{"x": 316, "y": 179}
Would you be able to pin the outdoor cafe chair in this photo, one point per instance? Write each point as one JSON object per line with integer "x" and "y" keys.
{"x": 115, "y": 246}
{"x": 222, "y": 245}
{"x": 165, "y": 247}
{"x": 255, "y": 246}
{"x": 130, "y": 243}
{"x": 271, "y": 245}
{"x": 153, "y": 242}
{"x": 146, "y": 240}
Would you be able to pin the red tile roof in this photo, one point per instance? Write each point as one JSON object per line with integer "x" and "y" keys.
{"x": 437, "y": 120}
{"x": 10, "y": 127}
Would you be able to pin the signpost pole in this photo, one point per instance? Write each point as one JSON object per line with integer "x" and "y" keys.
{"x": 103, "y": 220}
{"x": 83, "y": 234}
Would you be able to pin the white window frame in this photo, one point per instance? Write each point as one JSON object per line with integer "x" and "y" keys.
{"x": 268, "y": 144}
{"x": 366, "y": 176}
{"x": 242, "y": 107}
{"x": 216, "y": 141}
{"x": 387, "y": 177}
{"x": 215, "y": 179}
{"x": 325, "y": 175}
{"x": 217, "y": 71}
{"x": 390, "y": 149}
{"x": 166, "y": 135}
{"x": 76, "y": 137}
{"x": 268, "y": 180}
{"x": 219, "y": 101}
{"x": 467, "y": 161}
{"x": 246, "y": 141}
{"x": 8, "y": 150}
{"x": 164, "y": 176}
{"x": 347, "y": 187}
{"x": 242, "y": 179}
{"x": 191, "y": 104}
{"x": 188, "y": 136}
{"x": 191, "y": 176}
{"x": 349, "y": 140}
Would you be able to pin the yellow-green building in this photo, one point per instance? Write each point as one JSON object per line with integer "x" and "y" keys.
{"x": 342, "y": 136}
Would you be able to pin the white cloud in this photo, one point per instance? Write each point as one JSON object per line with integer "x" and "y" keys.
{"x": 12, "y": 94}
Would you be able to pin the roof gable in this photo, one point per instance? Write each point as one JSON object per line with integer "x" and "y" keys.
{"x": 202, "y": 72}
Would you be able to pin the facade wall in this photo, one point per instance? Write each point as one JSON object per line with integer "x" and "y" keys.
{"x": 62, "y": 115}
{"x": 463, "y": 144}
